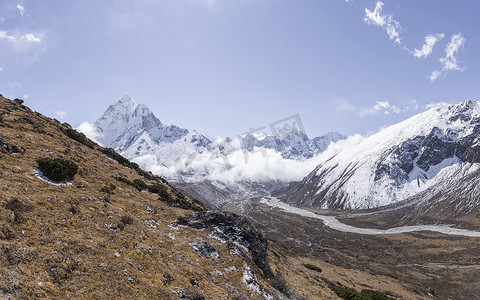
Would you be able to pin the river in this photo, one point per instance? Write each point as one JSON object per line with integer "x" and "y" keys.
{"x": 335, "y": 224}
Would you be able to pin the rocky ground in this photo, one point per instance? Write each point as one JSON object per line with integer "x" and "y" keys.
{"x": 406, "y": 266}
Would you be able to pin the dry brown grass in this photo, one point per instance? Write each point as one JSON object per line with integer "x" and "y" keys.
{"x": 90, "y": 240}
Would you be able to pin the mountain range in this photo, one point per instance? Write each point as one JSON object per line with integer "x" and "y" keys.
{"x": 184, "y": 156}
{"x": 113, "y": 230}
{"x": 133, "y": 130}
{"x": 422, "y": 158}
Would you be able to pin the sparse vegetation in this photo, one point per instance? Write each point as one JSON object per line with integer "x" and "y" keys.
{"x": 81, "y": 138}
{"x": 108, "y": 188}
{"x": 140, "y": 184}
{"x": 280, "y": 284}
{"x": 109, "y": 152}
{"x": 136, "y": 183}
{"x": 155, "y": 188}
{"x": 351, "y": 294}
{"x": 18, "y": 208}
{"x": 126, "y": 220}
{"x": 9, "y": 148}
{"x": 178, "y": 200}
{"x": 313, "y": 267}
{"x": 57, "y": 169}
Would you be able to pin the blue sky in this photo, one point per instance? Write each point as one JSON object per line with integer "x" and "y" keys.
{"x": 224, "y": 66}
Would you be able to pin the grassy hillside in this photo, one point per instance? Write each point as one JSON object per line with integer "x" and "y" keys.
{"x": 109, "y": 233}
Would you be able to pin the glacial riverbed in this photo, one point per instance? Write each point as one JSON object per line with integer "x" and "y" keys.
{"x": 335, "y": 224}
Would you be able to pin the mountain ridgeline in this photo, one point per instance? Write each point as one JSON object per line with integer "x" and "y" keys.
{"x": 428, "y": 163}
{"x": 196, "y": 163}
{"x": 134, "y": 131}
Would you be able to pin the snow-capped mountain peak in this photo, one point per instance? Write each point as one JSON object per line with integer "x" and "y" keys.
{"x": 397, "y": 162}
{"x": 125, "y": 120}
{"x": 126, "y": 101}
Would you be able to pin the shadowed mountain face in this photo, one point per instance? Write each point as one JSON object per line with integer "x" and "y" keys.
{"x": 433, "y": 149}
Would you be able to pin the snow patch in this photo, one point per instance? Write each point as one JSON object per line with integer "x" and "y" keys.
{"x": 39, "y": 174}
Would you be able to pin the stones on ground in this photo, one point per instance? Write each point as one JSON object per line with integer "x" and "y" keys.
{"x": 204, "y": 249}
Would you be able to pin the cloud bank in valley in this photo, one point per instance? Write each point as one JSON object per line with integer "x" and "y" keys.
{"x": 262, "y": 165}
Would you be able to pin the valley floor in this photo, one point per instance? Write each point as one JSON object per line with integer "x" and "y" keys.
{"x": 412, "y": 265}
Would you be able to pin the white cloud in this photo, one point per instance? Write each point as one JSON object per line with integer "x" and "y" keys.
{"x": 343, "y": 105}
{"x": 435, "y": 75}
{"x": 427, "y": 48}
{"x": 379, "y": 106}
{"x": 384, "y": 107}
{"x": 61, "y": 114}
{"x": 435, "y": 104}
{"x": 88, "y": 129}
{"x": 1, "y": 69}
{"x": 22, "y": 42}
{"x": 22, "y": 46}
{"x": 413, "y": 105}
{"x": 449, "y": 61}
{"x": 21, "y": 9}
{"x": 387, "y": 22}
{"x": 271, "y": 166}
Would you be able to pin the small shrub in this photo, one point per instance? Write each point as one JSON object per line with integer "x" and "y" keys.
{"x": 111, "y": 153}
{"x": 155, "y": 188}
{"x": 124, "y": 180}
{"x": 182, "y": 203}
{"x": 164, "y": 196}
{"x": 108, "y": 188}
{"x": 139, "y": 184}
{"x": 61, "y": 269}
{"x": 6, "y": 233}
{"x": 126, "y": 220}
{"x": 374, "y": 295}
{"x": 115, "y": 156}
{"x": 18, "y": 208}
{"x": 80, "y": 137}
{"x": 312, "y": 267}
{"x": 73, "y": 209}
{"x": 57, "y": 169}
{"x": 351, "y": 294}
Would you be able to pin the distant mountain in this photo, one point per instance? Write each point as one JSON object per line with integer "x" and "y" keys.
{"x": 134, "y": 131}
{"x": 189, "y": 156}
{"x": 292, "y": 143}
{"x": 434, "y": 149}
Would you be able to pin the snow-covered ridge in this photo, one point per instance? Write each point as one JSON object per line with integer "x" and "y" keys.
{"x": 123, "y": 122}
{"x": 397, "y": 162}
{"x": 178, "y": 154}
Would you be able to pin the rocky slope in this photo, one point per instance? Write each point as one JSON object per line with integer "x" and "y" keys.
{"x": 103, "y": 235}
{"x": 432, "y": 151}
